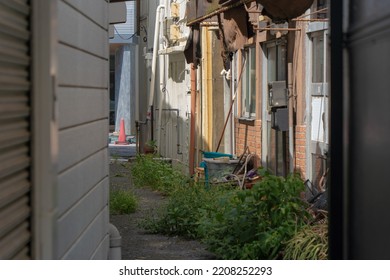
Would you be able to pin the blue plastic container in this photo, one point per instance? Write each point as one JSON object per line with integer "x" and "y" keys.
{"x": 215, "y": 155}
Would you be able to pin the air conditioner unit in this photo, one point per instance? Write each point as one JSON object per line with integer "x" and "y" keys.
{"x": 174, "y": 33}
{"x": 171, "y": 30}
{"x": 175, "y": 12}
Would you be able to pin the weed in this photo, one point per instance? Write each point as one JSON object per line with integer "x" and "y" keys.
{"x": 255, "y": 224}
{"x": 235, "y": 224}
{"x": 122, "y": 202}
{"x": 155, "y": 173}
{"x": 310, "y": 243}
{"x": 183, "y": 211}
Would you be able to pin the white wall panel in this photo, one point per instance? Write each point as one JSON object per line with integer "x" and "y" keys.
{"x": 92, "y": 104}
{"x": 80, "y": 32}
{"x": 74, "y": 224}
{"x": 95, "y": 10}
{"x": 74, "y": 183}
{"x": 79, "y": 69}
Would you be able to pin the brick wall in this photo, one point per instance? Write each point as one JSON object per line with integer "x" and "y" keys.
{"x": 300, "y": 149}
{"x": 248, "y": 133}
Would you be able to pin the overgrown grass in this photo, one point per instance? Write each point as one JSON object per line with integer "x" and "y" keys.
{"x": 156, "y": 173}
{"x": 262, "y": 223}
{"x": 122, "y": 202}
{"x": 310, "y": 243}
{"x": 182, "y": 213}
{"x": 256, "y": 223}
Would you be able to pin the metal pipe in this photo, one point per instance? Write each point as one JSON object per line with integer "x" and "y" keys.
{"x": 162, "y": 96}
{"x": 115, "y": 252}
{"x": 277, "y": 29}
{"x": 154, "y": 60}
{"x": 313, "y": 19}
{"x": 209, "y": 24}
{"x": 290, "y": 115}
{"x": 231, "y": 107}
{"x": 313, "y": 13}
{"x": 192, "y": 123}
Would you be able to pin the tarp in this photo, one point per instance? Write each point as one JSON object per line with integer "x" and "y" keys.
{"x": 277, "y": 10}
{"x": 284, "y": 10}
{"x": 234, "y": 22}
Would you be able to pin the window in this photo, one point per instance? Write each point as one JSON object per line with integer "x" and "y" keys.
{"x": 112, "y": 89}
{"x": 276, "y": 159}
{"x": 248, "y": 85}
{"x": 276, "y": 54}
{"x": 320, "y": 5}
{"x": 318, "y": 57}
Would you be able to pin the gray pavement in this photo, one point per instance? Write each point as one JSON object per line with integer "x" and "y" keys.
{"x": 122, "y": 151}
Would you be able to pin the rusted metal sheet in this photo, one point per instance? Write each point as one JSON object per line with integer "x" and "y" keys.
{"x": 277, "y": 10}
{"x": 283, "y": 10}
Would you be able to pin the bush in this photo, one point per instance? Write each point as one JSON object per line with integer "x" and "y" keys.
{"x": 256, "y": 223}
{"x": 235, "y": 224}
{"x": 155, "y": 173}
{"x": 122, "y": 202}
{"x": 183, "y": 211}
{"x": 310, "y": 243}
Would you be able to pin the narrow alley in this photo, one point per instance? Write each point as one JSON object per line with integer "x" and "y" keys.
{"x": 137, "y": 244}
{"x": 262, "y": 108}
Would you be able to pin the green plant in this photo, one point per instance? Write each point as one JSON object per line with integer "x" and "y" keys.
{"x": 122, "y": 202}
{"x": 151, "y": 143}
{"x": 256, "y": 223}
{"x": 181, "y": 215}
{"x": 155, "y": 173}
{"x": 150, "y": 146}
{"x": 310, "y": 243}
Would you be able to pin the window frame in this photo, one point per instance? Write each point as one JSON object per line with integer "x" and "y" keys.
{"x": 248, "y": 83}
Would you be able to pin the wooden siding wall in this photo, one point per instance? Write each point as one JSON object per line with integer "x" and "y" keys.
{"x": 82, "y": 92}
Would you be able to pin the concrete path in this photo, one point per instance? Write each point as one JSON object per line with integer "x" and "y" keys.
{"x": 122, "y": 151}
{"x": 138, "y": 244}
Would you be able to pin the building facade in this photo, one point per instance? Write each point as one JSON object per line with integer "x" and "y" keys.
{"x": 54, "y": 123}
{"x": 274, "y": 76}
{"x": 123, "y": 71}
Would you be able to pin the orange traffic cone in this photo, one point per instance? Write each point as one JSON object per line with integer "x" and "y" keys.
{"x": 122, "y": 134}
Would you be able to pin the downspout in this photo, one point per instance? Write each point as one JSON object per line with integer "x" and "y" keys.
{"x": 162, "y": 72}
{"x": 290, "y": 116}
{"x": 154, "y": 62}
{"x": 162, "y": 65}
{"x": 115, "y": 251}
{"x": 192, "y": 123}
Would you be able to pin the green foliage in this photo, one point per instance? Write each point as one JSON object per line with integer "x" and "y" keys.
{"x": 155, "y": 173}
{"x": 256, "y": 223}
{"x": 182, "y": 213}
{"x": 122, "y": 202}
{"x": 310, "y": 243}
{"x": 235, "y": 224}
